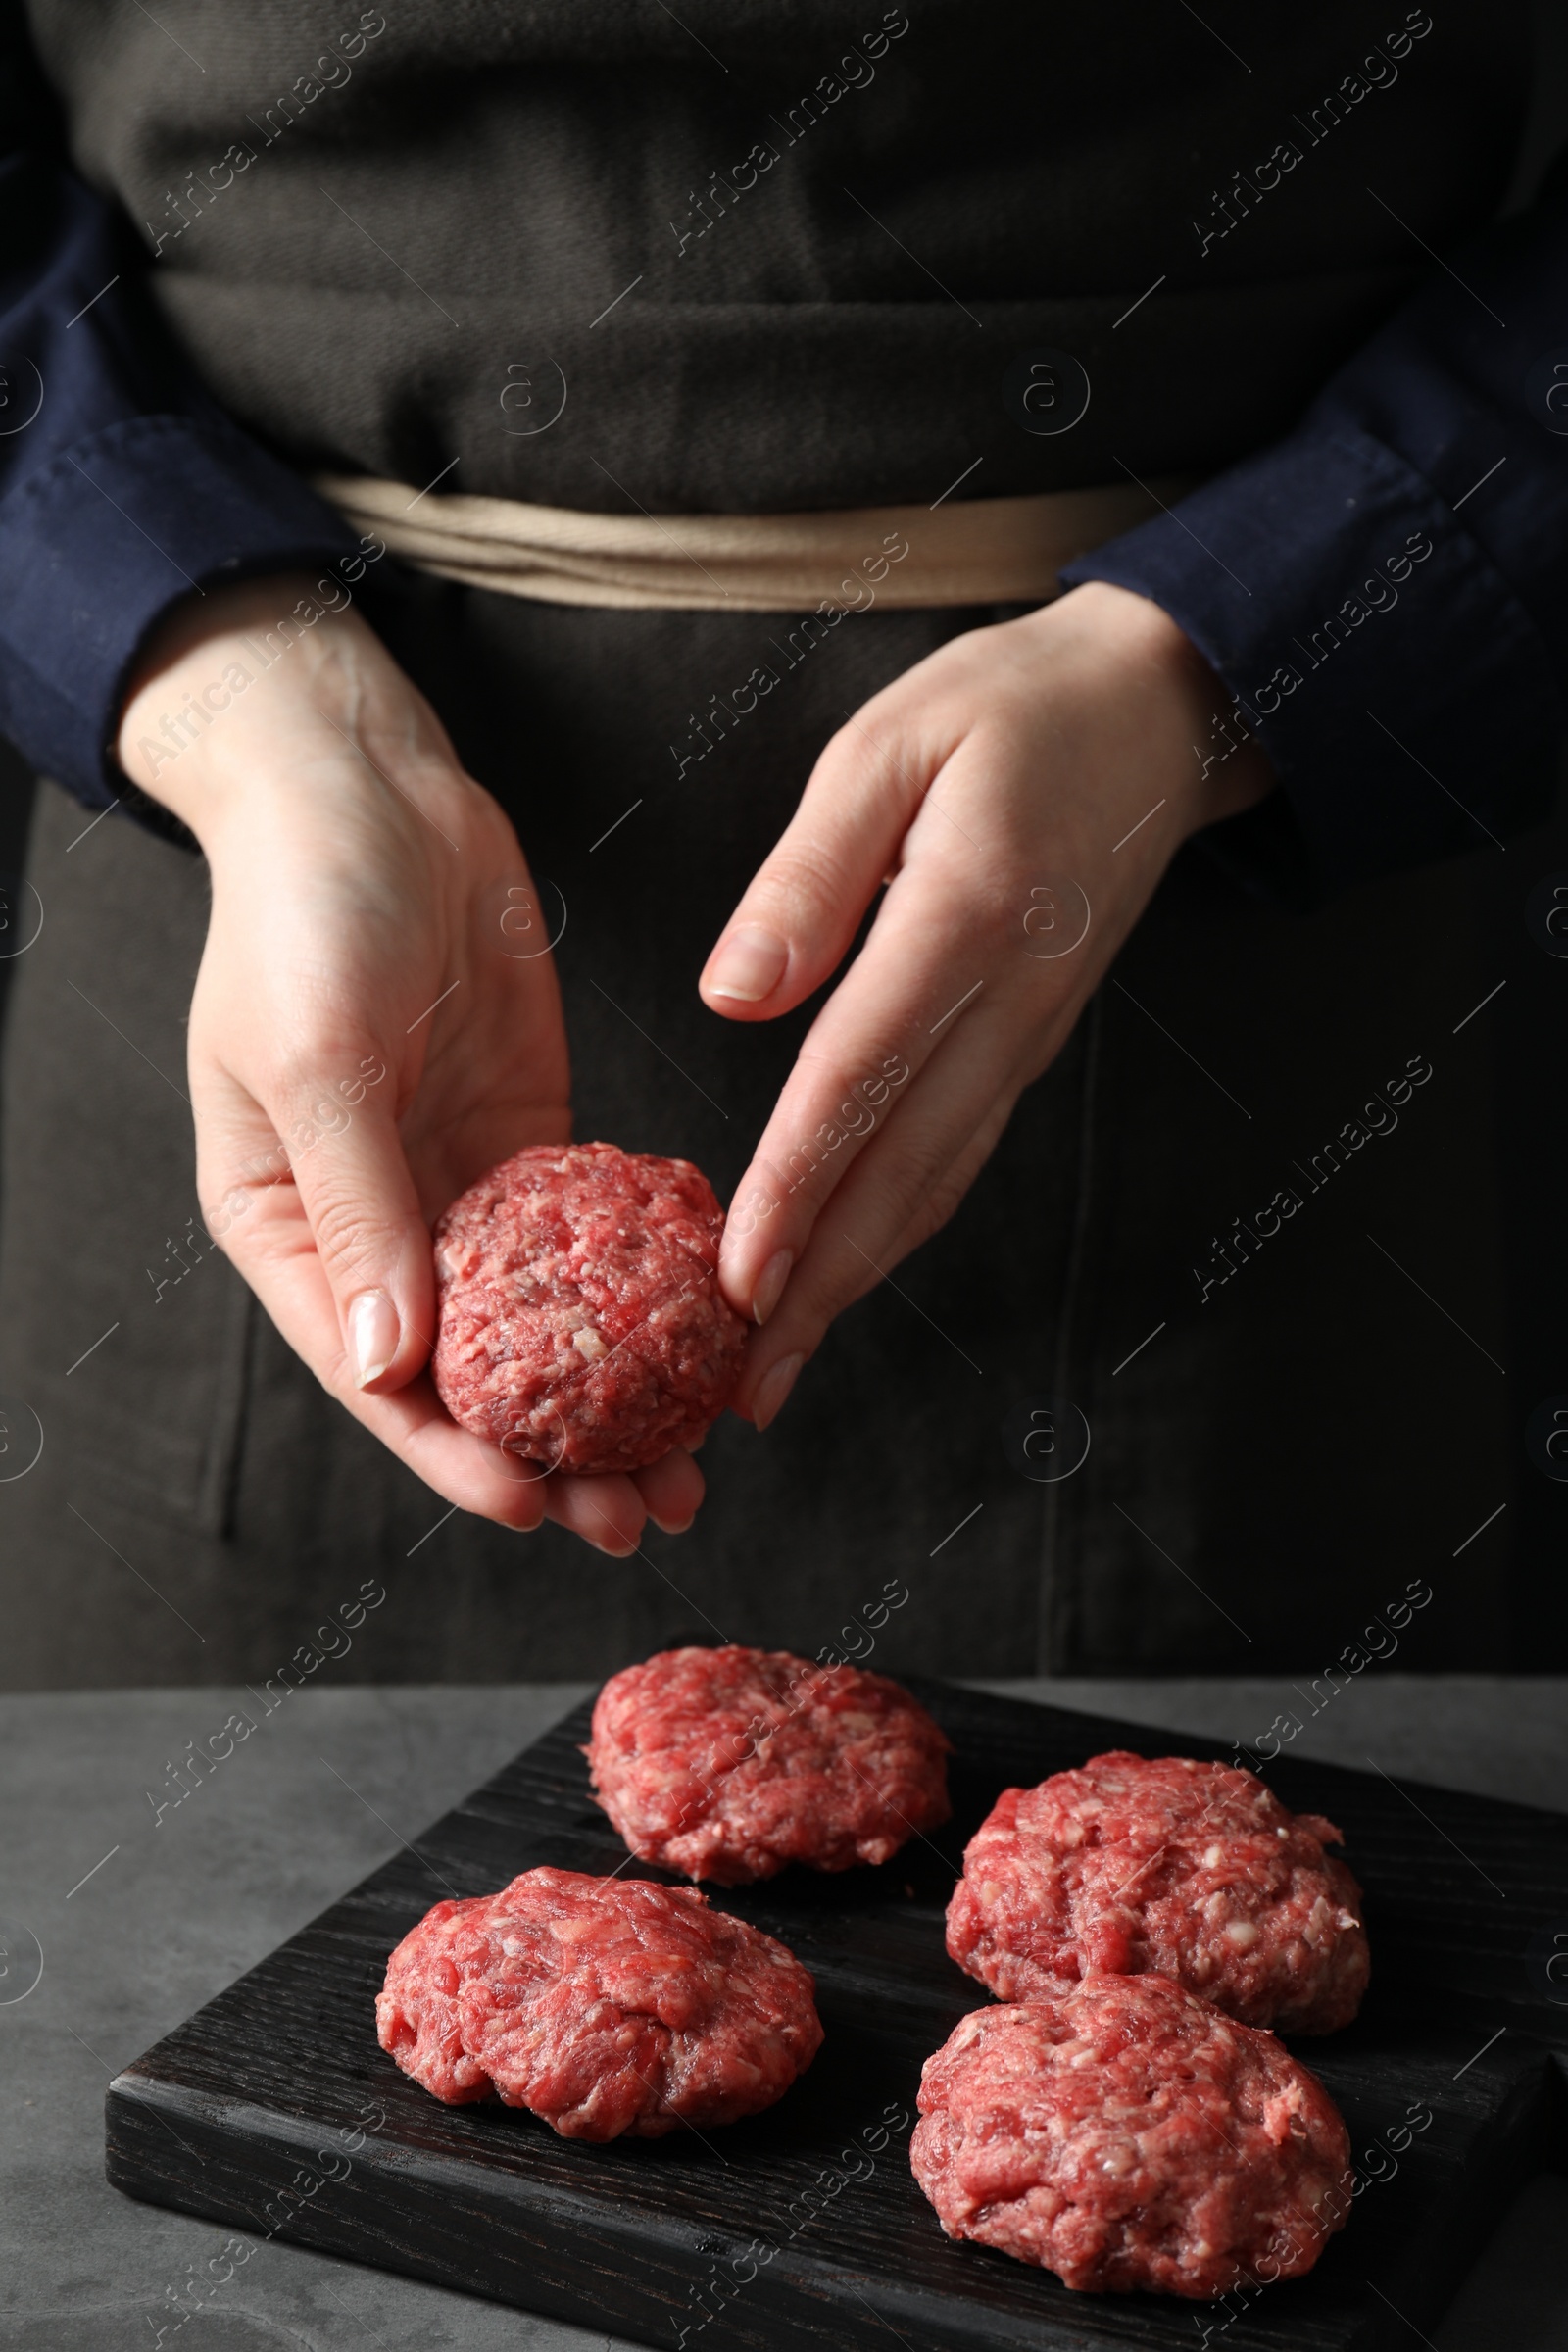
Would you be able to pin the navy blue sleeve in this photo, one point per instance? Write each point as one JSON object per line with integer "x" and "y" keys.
{"x": 1385, "y": 593}
{"x": 123, "y": 488}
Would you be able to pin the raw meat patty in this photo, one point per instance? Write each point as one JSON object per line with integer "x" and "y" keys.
{"x": 1128, "y": 2135}
{"x": 728, "y": 1763}
{"x": 603, "y": 2005}
{"x": 581, "y": 1322}
{"x": 1194, "y": 1869}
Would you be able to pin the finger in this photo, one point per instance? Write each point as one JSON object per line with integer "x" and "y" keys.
{"x": 940, "y": 1203}
{"x": 901, "y": 1191}
{"x": 610, "y": 1511}
{"x": 262, "y": 1228}
{"x": 606, "y": 1511}
{"x": 930, "y": 975}
{"x": 265, "y": 1228}
{"x": 255, "y": 1214}
{"x": 672, "y": 1491}
{"x": 359, "y": 1201}
{"x": 800, "y": 914}
{"x": 287, "y": 1274}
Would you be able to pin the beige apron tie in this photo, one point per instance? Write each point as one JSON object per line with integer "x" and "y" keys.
{"x": 973, "y": 552}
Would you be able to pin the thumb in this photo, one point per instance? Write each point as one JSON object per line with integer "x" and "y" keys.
{"x": 373, "y": 1246}
{"x": 800, "y": 914}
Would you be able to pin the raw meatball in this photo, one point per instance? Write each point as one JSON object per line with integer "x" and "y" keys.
{"x": 1194, "y": 1869}
{"x": 1128, "y": 2135}
{"x": 603, "y": 2005}
{"x": 581, "y": 1322}
{"x": 728, "y": 1763}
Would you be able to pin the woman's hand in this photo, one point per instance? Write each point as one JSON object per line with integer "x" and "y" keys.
{"x": 1022, "y": 785}
{"x": 375, "y": 1021}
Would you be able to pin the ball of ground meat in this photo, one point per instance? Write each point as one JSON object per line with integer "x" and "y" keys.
{"x": 605, "y": 2006}
{"x": 581, "y": 1323}
{"x": 1128, "y": 2135}
{"x": 1194, "y": 1869}
{"x": 728, "y": 1763}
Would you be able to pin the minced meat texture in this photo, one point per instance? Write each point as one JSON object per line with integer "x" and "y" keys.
{"x": 581, "y": 1324}
{"x": 605, "y": 2006}
{"x": 1128, "y": 2135}
{"x": 1194, "y": 1869}
{"x": 728, "y": 1763}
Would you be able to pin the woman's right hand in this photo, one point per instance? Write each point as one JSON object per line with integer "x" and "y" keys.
{"x": 375, "y": 1021}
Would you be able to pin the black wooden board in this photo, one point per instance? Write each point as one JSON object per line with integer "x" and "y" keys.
{"x": 273, "y": 2109}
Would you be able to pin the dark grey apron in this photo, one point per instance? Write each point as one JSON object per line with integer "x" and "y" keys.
{"x": 1288, "y": 1411}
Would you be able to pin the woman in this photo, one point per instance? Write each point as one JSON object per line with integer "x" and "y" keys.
{"x": 570, "y": 320}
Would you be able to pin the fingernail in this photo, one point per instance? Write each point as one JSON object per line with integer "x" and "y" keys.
{"x": 373, "y": 1336}
{"x": 770, "y": 1283}
{"x": 614, "y": 1551}
{"x": 671, "y": 1527}
{"x": 773, "y": 1389}
{"x": 749, "y": 965}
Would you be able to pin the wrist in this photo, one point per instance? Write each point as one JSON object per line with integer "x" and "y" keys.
{"x": 181, "y": 735}
{"x": 1213, "y": 761}
{"x": 1226, "y": 769}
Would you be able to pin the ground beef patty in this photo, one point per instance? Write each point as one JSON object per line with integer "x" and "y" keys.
{"x": 581, "y": 1322}
{"x": 1128, "y": 2135}
{"x": 728, "y": 1763}
{"x": 1194, "y": 1869}
{"x": 603, "y": 2005}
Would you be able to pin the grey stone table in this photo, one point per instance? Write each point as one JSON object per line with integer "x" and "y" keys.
{"x": 139, "y": 1922}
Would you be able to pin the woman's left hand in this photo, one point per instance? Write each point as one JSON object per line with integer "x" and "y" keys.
{"x": 1023, "y": 783}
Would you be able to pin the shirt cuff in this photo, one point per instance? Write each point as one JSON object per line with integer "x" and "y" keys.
{"x": 1402, "y": 692}
{"x": 102, "y": 542}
